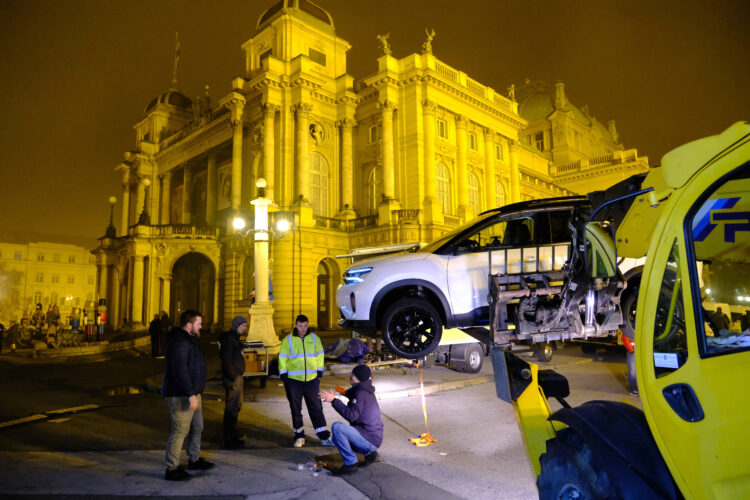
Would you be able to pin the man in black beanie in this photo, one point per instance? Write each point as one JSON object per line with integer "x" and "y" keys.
{"x": 365, "y": 434}
{"x": 232, "y": 369}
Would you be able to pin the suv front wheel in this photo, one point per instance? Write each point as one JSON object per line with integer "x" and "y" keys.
{"x": 412, "y": 328}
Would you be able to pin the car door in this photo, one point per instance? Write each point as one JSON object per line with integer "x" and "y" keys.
{"x": 692, "y": 376}
{"x": 520, "y": 243}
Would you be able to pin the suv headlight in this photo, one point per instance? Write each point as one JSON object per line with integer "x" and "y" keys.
{"x": 356, "y": 275}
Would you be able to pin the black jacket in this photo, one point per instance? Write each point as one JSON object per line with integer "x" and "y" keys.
{"x": 154, "y": 328}
{"x": 185, "y": 370}
{"x": 230, "y": 352}
{"x": 363, "y": 411}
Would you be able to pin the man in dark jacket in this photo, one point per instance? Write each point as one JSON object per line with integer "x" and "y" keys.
{"x": 232, "y": 368}
{"x": 365, "y": 434}
{"x": 184, "y": 382}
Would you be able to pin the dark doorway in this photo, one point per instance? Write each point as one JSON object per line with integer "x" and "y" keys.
{"x": 193, "y": 282}
{"x": 323, "y": 293}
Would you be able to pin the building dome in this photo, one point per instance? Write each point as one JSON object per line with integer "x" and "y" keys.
{"x": 303, "y": 9}
{"x": 172, "y": 97}
{"x": 537, "y": 106}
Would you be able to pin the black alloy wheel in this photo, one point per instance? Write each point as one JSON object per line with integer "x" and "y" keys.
{"x": 412, "y": 328}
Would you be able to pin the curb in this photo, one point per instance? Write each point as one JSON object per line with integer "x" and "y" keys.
{"x": 153, "y": 384}
{"x": 89, "y": 350}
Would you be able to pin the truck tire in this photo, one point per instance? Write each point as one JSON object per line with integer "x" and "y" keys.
{"x": 412, "y": 328}
{"x": 543, "y": 351}
{"x": 570, "y": 470}
{"x": 473, "y": 359}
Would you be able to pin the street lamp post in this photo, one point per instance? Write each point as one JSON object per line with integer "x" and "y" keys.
{"x": 261, "y": 312}
{"x": 111, "y": 232}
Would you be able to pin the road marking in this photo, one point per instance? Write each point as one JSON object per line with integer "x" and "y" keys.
{"x": 44, "y": 416}
{"x": 32, "y": 418}
{"x": 72, "y": 410}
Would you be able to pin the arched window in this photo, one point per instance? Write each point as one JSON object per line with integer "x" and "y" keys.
{"x": 474, "y": 199}
{"x": 319, "y": 184}
{"x": 443, "y": 180}
{"x": 499, "y": 194}
{"x": 372, "y": 192}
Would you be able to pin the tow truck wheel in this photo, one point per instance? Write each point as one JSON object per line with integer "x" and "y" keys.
{"x": 543, "y": 351}
{"x": 570, "y": 470}
{"x": 473, "y": 359}
{"x": 412, "y": 328}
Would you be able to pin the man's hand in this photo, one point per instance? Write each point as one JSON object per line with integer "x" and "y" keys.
{"x": 193, "y": 402}
{"x": 326, "y": 396}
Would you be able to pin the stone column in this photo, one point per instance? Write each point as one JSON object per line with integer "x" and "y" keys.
{"x": 302, "y": 176}
{"x": 236, "y": 105}
{"x": 166, "y": 194}
{"x": 389, "y": 177}
{"x": 211, "y": 188}
{"x": 166, "y": 291}
{"x": 515, "y": 181}
{"x": 187, "y": 185}
{"x": 269, "y": 138}
{"x": 104, "y": 283}
{"x": 140, "y": 198}
{"x": 489, "y": 168}
{"x": 462, "y": 169}
{"x": 433, "y": 210}
{"x": 125, "y": 202}
{"x": 137, "y": 317}
{"x": 347, "y": 166}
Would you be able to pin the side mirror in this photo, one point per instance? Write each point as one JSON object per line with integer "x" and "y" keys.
{"x": 601, "y": 253}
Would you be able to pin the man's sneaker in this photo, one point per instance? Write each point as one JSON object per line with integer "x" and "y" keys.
{"x": 371, "y": 459}
{"x": 299, "y": 442}
{"x": 178, "y": 474}
{"x": 327, "y": 442}
{"x": 346, "y": 470}
{"x": 201, "y": 464}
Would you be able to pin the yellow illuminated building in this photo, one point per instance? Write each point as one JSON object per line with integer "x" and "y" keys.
{"x": 402, "y": 155}
{"x": 48, "y": 273}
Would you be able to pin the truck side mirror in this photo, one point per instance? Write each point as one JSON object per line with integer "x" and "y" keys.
{"x": 601, "y": 253}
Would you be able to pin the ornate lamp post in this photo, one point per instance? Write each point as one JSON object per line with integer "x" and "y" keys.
{"x": 144, "y": 218}
{"x": 111, "y": 232}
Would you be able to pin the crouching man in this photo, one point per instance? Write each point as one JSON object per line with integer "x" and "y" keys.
{"x": 365, "y": 434}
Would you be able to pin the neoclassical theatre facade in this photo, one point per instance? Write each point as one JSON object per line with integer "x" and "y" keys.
{"x": 405, "y": 154}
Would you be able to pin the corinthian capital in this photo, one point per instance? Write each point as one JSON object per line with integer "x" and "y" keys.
{"x": 302, "y": 109}
{"x": 386, "y": 107}
{"x": 269, "y": 109}
{"x": 462, "y": 122}
{"x": 347, "y": 123}
{"x": 235, "y": 104}
{"x": 429, "y": 107}
{"x": 489, "y": 135}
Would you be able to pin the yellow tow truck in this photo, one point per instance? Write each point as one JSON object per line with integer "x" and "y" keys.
{"x": 690, "y": 217}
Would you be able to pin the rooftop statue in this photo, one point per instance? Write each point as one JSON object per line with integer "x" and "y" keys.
{"x": 383, "y": 39}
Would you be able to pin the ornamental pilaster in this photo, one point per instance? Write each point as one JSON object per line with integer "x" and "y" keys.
{"x": 302, "y": 113}
{"x": 236, "y": 105}
{"x": 269, "y": 116}
{"x": 462, "y": 169}
{"x": 489, "y": 167}
{"x": 389, "y": 177}
{"x": 515, "y": 177}
{"x": 347, "y": 163}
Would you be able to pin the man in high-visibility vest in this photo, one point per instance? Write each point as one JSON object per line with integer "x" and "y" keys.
{"x": 301, "y": 364}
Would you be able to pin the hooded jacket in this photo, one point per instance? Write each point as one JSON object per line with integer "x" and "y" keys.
{"x": 232, "y": 360}
{"x": 363, "y": 411}
{"x": 185, "y": 368}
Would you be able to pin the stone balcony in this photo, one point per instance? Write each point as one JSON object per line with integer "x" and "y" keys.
{"x": 174, "y": 231}
{"x": 616, "y": 158}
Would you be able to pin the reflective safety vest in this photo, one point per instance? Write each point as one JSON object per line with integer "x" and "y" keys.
{"x": 301, "y": 358}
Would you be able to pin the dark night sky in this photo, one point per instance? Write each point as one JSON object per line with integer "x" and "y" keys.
{"x": 76, "y": 75}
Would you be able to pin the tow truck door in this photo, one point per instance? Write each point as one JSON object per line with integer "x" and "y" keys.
{"x": 692, "y": 376}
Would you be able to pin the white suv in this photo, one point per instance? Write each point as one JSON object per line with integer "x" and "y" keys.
{"x": 410, "y": 297}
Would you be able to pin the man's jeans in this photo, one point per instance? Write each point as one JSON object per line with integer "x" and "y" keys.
{"x": 347, "y": 438}
{"x": 185, "y": 423}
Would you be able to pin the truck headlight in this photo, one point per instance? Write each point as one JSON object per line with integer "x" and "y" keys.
{"x": 356, "y": 275}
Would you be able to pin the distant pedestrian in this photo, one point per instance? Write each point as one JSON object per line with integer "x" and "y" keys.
{"x": 721, "y": 320}
{"x": 232, "y": 369}
{"x": 365, "y": 434}
{"x": 75, "y": 319}
{"x": 166, "y": 327}
{"x": 154, "y": 328}
{"x": 90, "y": 318}
{"x": 101, "y": 319}
{"x": 301, "y": 366}
{"x": 184, "y": 382}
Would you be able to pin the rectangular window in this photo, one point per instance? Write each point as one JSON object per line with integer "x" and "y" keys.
{"x": 71, "y": 279}
{"x": 56, "y": 257}
{"x": 39, "y": 278}
{"x": 90, "y": 280}
{"x": 539, "y": 141}
{"x": 472, "y": 141}
{"x": 40, "y": 257}
{"x": 55, "y": 278}
{"x": 498, "y": 152}
{"x": 376, "y": 131}
{"x": 18, "y": 256}
{"x": 317, "y": 57}
{"x": 442, "y": 129}
{"x": 264, "y": 56}
{"x": 72, "y": 259}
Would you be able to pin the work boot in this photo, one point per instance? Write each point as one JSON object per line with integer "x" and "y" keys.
{"x": 201, "y": 464}
{"x": 299, "y": 442}
{"x": 178, "y": 474}
{"x": 346, "y": 470}
{"x": 371, "y": 458}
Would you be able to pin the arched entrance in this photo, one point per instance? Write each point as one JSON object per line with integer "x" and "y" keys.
{"x": 192, "y": 287}
{"x": 327, "y": 278}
